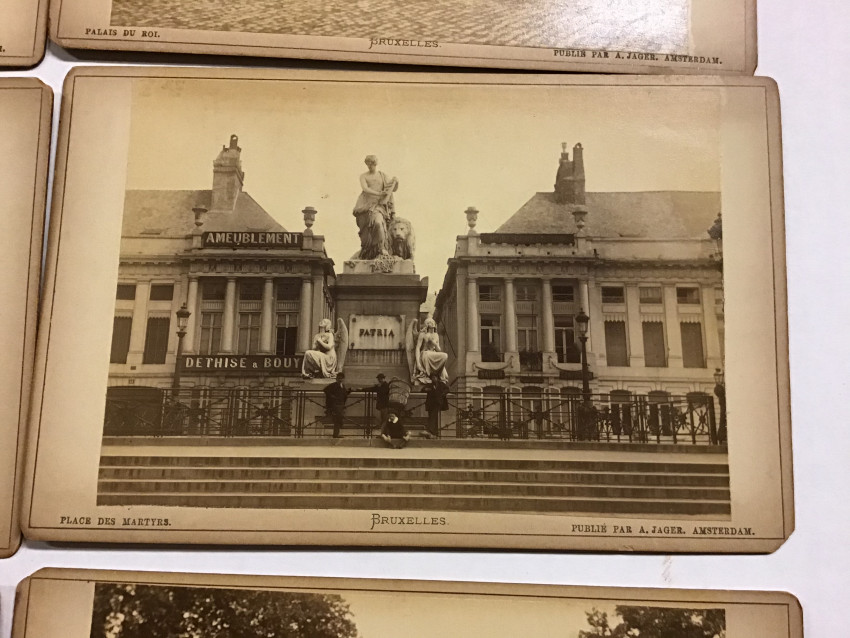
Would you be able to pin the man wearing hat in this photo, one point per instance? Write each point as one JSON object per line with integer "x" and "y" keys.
{"x": 382, "y": 397}
{"x": 336, "y": 395}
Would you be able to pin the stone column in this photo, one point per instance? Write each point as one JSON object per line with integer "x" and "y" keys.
{"x": 548, "y": 317}
{"x": 674, "y": 332}
{"x": 510, "y": 316}
{"x": 596, "y": 348}
{"x": 713, "y": 352}
{"x": 635, "y": 327}
{"x": 472, "y": 321}
{"x": 305, "y": 318}
{"x": 139, "y": 327}
{"x": 319, "y": 298}
{"x": 228, "y": 319}
{"x": 267, "y": 319}
{"x": 194, "y": 318}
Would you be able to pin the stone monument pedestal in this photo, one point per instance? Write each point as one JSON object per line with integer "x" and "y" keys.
{"x": 378, "y": 308}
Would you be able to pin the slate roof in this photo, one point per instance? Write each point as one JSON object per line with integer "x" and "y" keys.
{"x": 650, "y": 215}
{"x": 169, "y": 213}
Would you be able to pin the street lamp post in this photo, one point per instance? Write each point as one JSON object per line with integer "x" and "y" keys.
{"x": 182, "y": 323}
{"x": 581, "y": 322}
{"x": 720, "y": 393}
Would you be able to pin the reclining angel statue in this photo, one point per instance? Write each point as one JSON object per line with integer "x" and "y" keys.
{"x": 327, "y": 357}
{"x": 424, "y": 355}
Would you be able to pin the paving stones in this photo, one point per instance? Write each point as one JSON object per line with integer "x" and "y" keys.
{"x": 540, "y": 23}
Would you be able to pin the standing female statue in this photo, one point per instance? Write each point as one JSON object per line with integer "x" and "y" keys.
{"x": 374, "y": 210}
{"x": 425, "y": 357}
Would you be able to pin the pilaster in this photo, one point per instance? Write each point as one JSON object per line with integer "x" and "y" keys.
{"x": 228, "y": 320}
{"x": 138, "y": 329}
{"x": 267, "y": 317}
{"x": 194, "y": 318}
{"x": 548, "y": 317}
{"x": 635, "y": 327}
{"x": 510, "y": 316}
{"x": 305, "y": 318}
{"x": 673, "y": 331}
{"x": 713, "y": 352}
{"x": 473, "y": 322}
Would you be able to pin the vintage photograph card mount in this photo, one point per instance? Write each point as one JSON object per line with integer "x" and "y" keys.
{"x": 23, "y": 32}
{"x": 100, "y": 604}
{"x": 25, "y": 118}
{"x": 619, "y": 36}
{"x": 414, "y": 310}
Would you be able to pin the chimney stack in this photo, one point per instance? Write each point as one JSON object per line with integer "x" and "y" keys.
{"x": 569, "y": 181}
{"x": 227, "y": 177}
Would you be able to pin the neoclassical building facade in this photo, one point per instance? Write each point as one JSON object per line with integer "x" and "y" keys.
{"x": 254, "y": 292}
{"x": 641, "y": 265}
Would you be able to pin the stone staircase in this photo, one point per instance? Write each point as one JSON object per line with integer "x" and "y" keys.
{"x": 529, "y": 485}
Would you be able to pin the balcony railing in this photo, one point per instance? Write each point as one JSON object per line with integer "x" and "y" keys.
{"x": 531, "y": 361}
{"x": 286, "y": 413}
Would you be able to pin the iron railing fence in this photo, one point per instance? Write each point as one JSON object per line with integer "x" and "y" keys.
{"x": 286, "y": 412}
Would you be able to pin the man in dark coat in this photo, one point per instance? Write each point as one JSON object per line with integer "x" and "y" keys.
{"x": 336, "y": 394}
{"x": 436, "y": 401}
{"x": 382, "y": 397}
{"x": 394, "y": 433}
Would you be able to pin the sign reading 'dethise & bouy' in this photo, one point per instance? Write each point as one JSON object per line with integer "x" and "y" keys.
{"x": 244, "y": 364}
{"x": 375, "y": 332}
{"x": 250, "y": 239}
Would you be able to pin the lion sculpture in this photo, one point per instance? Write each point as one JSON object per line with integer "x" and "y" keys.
{"x": 402, "y": 239}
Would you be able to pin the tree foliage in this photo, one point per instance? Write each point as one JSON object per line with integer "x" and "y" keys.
{"x": 657, "y": 622}
{"x": 152, "y": 611}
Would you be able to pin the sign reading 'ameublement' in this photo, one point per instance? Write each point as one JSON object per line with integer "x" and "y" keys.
{"x": 245, "y": 364}
{"x": 250, "y": 239}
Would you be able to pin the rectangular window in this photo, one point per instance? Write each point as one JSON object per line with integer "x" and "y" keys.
{"x": 692, "y": 351}
{"x": 286, "y": 336}
{"x": 563, "y": 292}
{"x": 213, "y": 289}
{"x": 650, "y": 294}
{"x": 654, "y": 350}
{"x": 526, "y": 327}
{"x": 156, "y": 340}
{"x": 126, "y": 292}
{"x": 251, "y": 291}
{"x": 489, "y": 292}
{"x": 162, "y": 292}
{"x": 491, "y": 338}
{"x": 249, "y": 332}
{"x": 289, "y": 291}
{"x": 613, "y": 294}
{"x": 526, "y": 292}
{"x": 120, "y": 339}
{"x": 616, "y": 350}
{"x": 687, "y": 294}
{"x": 210, "y": 333}
{"x": 565, "y": 340}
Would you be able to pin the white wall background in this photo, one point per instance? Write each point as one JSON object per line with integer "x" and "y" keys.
{"x": 804, "y": 46}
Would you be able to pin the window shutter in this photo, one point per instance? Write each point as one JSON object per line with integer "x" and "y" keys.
{"x": 692, "y": 352}
{"x": 616, "y": 350}
{"x": 120, "y": 339}
{"x": 156, "y": 340}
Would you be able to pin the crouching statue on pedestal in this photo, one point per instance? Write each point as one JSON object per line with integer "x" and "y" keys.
{"x": 327, "y": 357}
{"x": 424, "y": 355}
